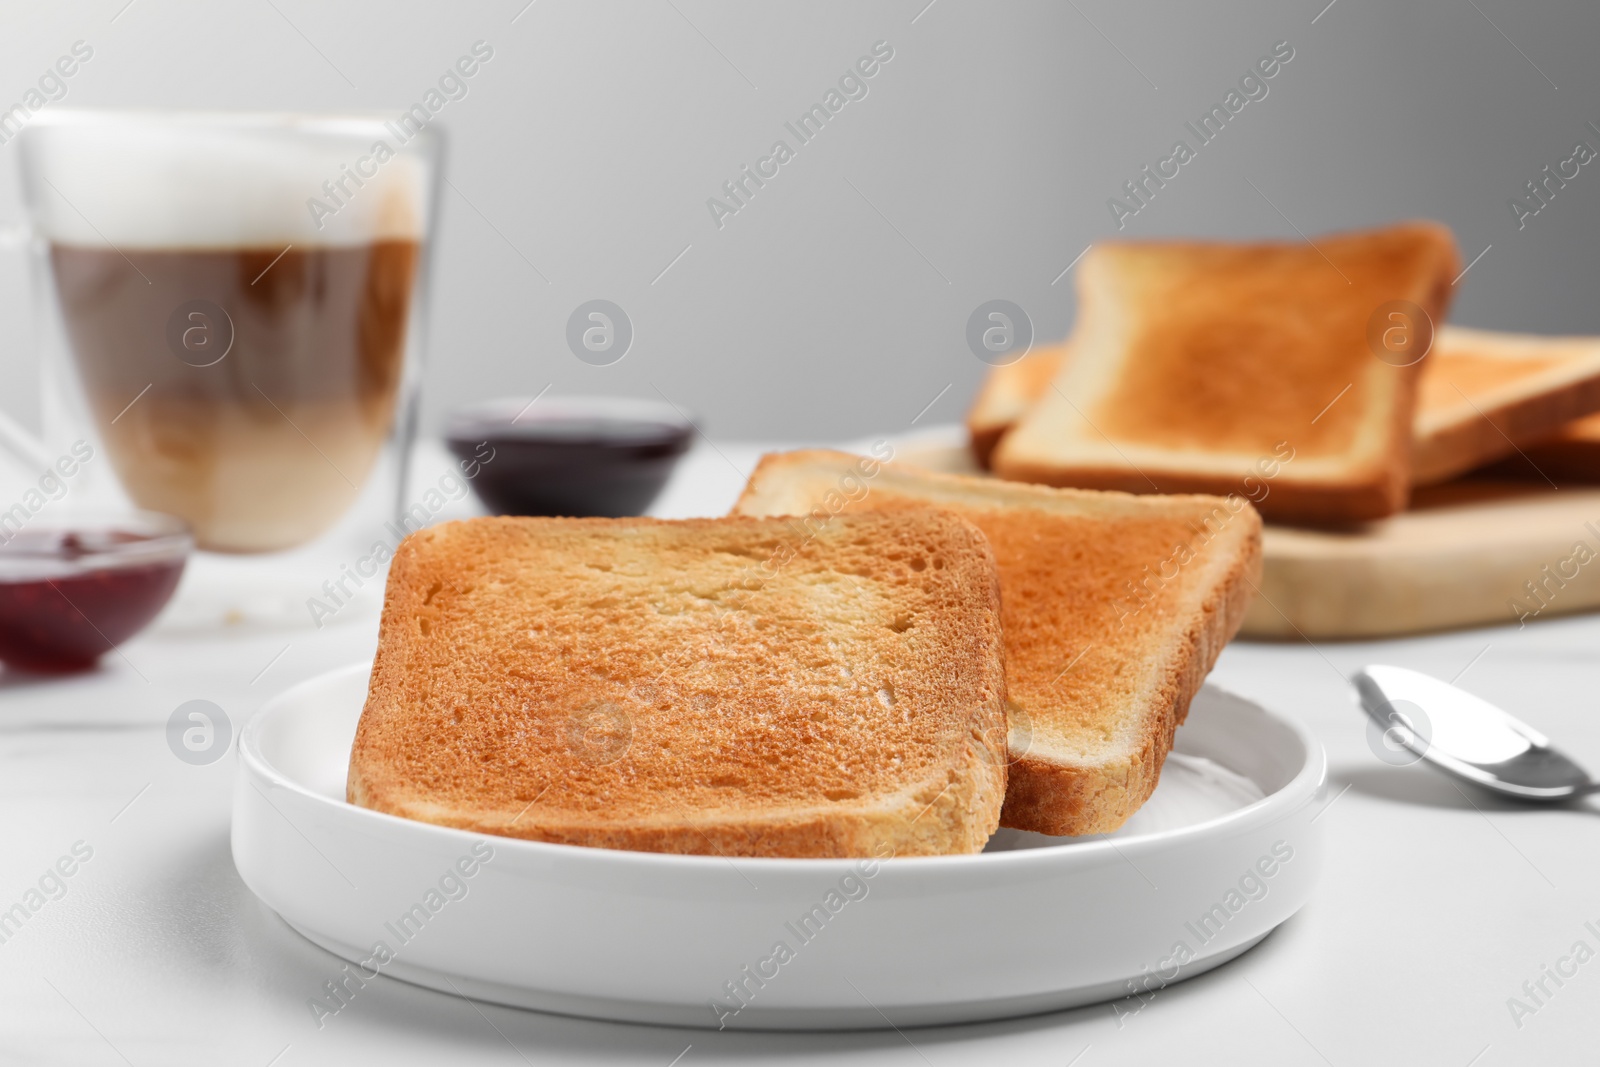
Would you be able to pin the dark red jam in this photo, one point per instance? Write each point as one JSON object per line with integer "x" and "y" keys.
{"x": 579, "y": 456}
{"x": 68, "y": 596}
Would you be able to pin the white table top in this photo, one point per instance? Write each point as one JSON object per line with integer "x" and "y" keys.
{"x": 1436, "y": 905}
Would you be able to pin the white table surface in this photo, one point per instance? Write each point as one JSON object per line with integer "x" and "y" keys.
{"x": 1436, "y": 905}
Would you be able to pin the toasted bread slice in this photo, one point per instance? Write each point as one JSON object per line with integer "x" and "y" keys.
{"x": 1572, "y": 455}
{"x": 1486, "y": 394}
{"x": 1483, "y": 396}
{"x": 1114, "y": 609}
{"x": 737, "y": 687}
{"x": 1192, "y": 362}
{"x": 1006, "y": 395}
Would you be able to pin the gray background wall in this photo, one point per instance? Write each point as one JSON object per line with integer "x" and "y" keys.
{"x": 977, "y": 167}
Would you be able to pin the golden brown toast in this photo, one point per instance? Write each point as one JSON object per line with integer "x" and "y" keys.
{"x": 1572, "y": 455}
{"x": 1486, "y": 394}
{"x": 1007, "y": 393}
{"x": 1192, "y": 362}
{"x": 1483, "y": 396}
{"x": 736, "y": 687}
{"x": 1114, "y": 609}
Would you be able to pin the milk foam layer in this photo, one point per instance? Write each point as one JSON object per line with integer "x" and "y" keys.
{"x": 144, "y": 180}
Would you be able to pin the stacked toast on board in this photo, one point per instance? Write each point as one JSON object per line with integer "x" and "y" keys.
{"x": 1325, "y": 362}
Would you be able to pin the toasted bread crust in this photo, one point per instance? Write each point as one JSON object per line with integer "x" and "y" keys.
{"x": 1058, "y": 798}
{"x": 1063, "y": 780}
{"x": 984, "y": 439}
{"x": 1572, "y": 455}
{"x": 1191, "y": 360}
{"x": 1006, "y": 395}
{"x": 1329, "y": 503}
{"x": 703, "y": 686}
{"x": 1486, "y": 394}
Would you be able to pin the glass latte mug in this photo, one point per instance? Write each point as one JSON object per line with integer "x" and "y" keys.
{"x": 232, "y": 310}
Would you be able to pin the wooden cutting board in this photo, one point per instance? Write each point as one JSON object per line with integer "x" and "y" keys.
{"x": 1470, "y": 553}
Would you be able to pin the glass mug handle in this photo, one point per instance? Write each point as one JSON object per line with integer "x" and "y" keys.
{"x": 25, "y": 450}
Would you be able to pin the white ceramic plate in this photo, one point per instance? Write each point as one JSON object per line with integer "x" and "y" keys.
{"x": 1201, "y": 874}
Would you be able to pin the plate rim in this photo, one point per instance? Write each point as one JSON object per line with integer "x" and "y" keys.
{"x": 1299, "y": 790}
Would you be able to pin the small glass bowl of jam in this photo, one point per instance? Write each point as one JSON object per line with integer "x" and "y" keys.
{"x": 575, "y": 455}
{"x": 75, "y": 587}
